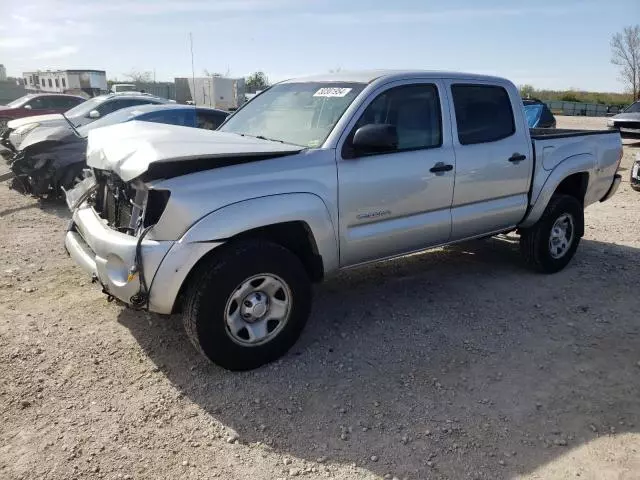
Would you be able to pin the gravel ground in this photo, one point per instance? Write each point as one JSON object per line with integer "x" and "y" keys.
{"x": 458, "y": 363}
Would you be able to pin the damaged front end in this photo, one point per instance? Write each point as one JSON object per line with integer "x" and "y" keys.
{"x": 107, "y": 235}
{"x": 47, "y": 169}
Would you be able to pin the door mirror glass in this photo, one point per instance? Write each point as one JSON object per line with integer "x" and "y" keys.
{"x": 94, "y": 114}
{"x": 375, "y": 138}
{"x": 28, "y": 107}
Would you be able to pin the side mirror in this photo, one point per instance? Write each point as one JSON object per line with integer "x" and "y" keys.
{"x": 28, "y": 107}
{"x": 375, "y": 138}
{"x": 94, "y": 114}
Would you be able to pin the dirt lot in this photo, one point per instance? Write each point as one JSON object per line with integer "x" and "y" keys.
{"x": 459, "y": 363}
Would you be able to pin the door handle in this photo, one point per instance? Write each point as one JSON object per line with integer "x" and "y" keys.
{"x": 517, "y": 157}
{"x": 441, "y": 167}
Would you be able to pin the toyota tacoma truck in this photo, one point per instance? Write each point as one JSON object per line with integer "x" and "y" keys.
{"x": 316, "y": 175}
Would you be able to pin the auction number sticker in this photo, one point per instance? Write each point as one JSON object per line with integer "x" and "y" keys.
{"x": 332, "y": 92}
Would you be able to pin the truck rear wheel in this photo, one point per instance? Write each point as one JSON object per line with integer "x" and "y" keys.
{"x": 247, "y": 305}
{"x": 551, "y": 243}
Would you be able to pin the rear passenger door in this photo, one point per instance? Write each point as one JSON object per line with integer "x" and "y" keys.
{"x": 493, "y": 159}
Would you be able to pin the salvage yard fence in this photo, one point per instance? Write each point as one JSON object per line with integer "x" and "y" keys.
{"x": 559, "y": 107}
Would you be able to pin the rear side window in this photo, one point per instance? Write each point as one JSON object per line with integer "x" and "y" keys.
{"x": 64, "y": 102}
{"x": 483, "y": 113}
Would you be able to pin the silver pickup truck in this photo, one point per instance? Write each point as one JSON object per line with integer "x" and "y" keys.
{"x": 316, "y": 175}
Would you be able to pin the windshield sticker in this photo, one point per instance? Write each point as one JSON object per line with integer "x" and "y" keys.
{"x": 332, "y": 92}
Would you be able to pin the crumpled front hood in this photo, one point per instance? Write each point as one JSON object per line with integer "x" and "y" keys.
{"x": 52, "y": 119}
{"x": 129, "y": 149}
{"x": 46, "y": 133}
{"x": 632, "y": 117}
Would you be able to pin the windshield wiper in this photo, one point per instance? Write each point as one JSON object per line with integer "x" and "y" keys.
{"x": 75, "y": 131}
{"x": 262, "y": 137}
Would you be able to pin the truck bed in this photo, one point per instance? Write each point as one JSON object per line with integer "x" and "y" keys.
{"x": 544, "y": 133}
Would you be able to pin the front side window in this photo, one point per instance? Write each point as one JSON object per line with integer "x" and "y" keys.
{"x": 302, "y": 114}
{"x": 39, "y": 103}
{"x": 170, "y": 117}
{"x": 85, "y": 107}
{"x": 115, "y": 105}
{"x": 483, "y": 113}
{"x": 415, "y": 112}
{"x": 64, "y": 83}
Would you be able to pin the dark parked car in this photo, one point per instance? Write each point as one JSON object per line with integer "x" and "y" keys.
{"x": 54, "y": 157}
{"x": 538, "y": 114}
{"x": 37, "y": 104}
{"x": 627, "y": 122}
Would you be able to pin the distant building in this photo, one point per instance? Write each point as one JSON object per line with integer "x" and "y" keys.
{"x": 3, "y": 73}
{"x": 213, "y": 91}
{"x": 89, "y": 82}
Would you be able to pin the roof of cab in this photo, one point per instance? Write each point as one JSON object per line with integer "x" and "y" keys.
{"x": 368, "y": 76}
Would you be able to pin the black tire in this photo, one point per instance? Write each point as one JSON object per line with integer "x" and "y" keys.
{"x": 212, "y": 286}
{"x": 534, "y": 241}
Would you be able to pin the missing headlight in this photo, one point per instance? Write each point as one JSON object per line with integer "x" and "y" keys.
{"x": 156, "y": 203}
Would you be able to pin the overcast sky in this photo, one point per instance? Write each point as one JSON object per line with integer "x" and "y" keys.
{"x": 549, "y": 44}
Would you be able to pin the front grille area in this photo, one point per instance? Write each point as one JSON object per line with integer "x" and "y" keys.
{"x": 114, "y": 201}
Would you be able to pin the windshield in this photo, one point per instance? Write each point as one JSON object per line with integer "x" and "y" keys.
{"x": 298, "y": 113}
{"x": 85, "y": 107}
{"x": 633, "y": 108}
{"x": 118, "y": 116}
{"x": 19, "y": 101}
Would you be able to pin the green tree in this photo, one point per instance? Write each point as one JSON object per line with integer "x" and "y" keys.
{"x": 256, "y": 81}
{"x": 527, "y": 91}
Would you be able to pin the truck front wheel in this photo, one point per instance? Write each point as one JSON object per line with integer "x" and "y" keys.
{"x": 550, "y": 244}
{"x": 248, "y": 304}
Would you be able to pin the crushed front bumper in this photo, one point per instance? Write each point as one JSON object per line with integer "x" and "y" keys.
{"x": 108, "y": 255}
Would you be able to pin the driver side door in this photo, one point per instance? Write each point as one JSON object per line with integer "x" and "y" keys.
{"x": 398, "y": 201}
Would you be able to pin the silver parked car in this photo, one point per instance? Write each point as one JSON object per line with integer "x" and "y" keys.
{"x": 627, "y": 122}
{"x": 316, "y": 175}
